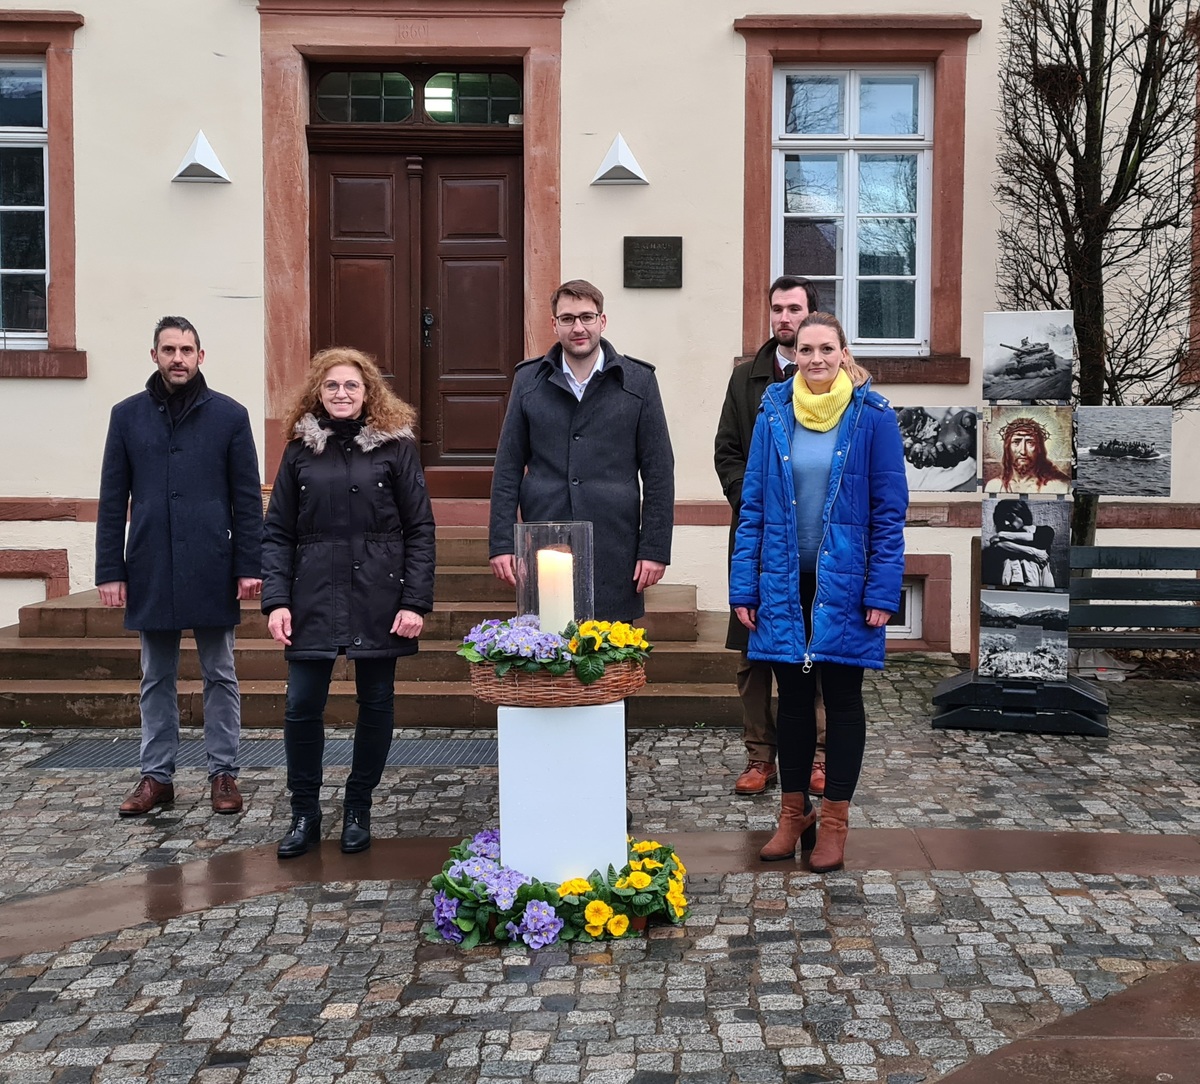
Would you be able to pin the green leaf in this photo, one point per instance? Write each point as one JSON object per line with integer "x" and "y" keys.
{"x": 472, "y": 939}
{"x": 468, "y": 652}
{"x": 503, "y": 667}
{"x": 589, "y": 669}
{"x": 559, "y": 668}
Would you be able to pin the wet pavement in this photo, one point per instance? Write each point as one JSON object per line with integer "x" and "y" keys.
{"x": 1003, "y": 884}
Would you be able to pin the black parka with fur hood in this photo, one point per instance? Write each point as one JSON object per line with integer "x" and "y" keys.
{"x": 349, "y": 540}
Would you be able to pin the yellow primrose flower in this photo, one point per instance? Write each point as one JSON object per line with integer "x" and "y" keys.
{"x": 618, "y": 924}
{"x": 638, "y": 638}
{"x": 604, "y": 626}
{"x": 573, "y": 646}
{"x": 646, "y": 863}
{"x": 618, "y": 638}
{"x": 646, "y": 846}
{"x": 635, "y": 864}
{"x": 622, "y": 882}
{"x": 595, "y": 931}
{"x": 678, "y": 901}
{"x": 639, "y": 880}
{"x": 576, "y": 886}
{"x": 679, "y": 866}
{"x": 597, "y": 913}
{"x": 587, "y": 628}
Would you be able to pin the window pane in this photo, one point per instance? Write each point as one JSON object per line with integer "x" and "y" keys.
{"x": 366, "y": 110}
{"x": 829, "y": 296}
{"x": 472, "y": 111}
{"x": 472, "y": 98}
{"x": 473, "y": 84}
{"x": 812, "y": 246}
{"x": 812, "y": 184}
{"x": 333, "y": 109}
{"x": 22, "y": 177}
{"x": 887, "y": 105}
{"x": 335, "y": 84}
{"x": 439, "y": 97}
{"x": 23, "y": 302}
{"x": 887, "y": 310}
{"x": 887, "y": 184}
{"x": 814, "y": 105}
{"x": 22, "y": 239}
{"x": 21, "y": 98}
{"x": 397, "y": 109}
{"x": 366, "y": 84}
{"x": 887, "y": 246}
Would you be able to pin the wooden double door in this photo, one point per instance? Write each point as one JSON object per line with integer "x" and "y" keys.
{"x": 417, "y": 260}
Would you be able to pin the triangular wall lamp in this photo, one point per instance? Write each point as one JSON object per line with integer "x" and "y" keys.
{"x": 619, "y": 166}
{"x": 201, "y": 163}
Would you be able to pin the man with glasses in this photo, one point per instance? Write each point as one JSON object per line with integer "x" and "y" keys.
{"x": 790, "y": 300}
{"x": 584, "y": 425}
{"x": 181, "y": 459}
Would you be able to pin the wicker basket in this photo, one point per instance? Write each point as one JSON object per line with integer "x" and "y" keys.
{"x": 540, "y": 689}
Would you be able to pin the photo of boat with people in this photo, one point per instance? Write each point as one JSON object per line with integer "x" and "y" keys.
{"x": 1028, "y": 355}
{"x": 1123, "y": 451}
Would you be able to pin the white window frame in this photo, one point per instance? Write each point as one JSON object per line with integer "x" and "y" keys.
{"x": 784, "y": 143}
{"x": 913, "y": 591}
{"x": 31, "y": 137}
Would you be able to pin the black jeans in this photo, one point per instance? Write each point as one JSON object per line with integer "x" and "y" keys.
{"x": 796, "y": 718}
{"x": 304, "y": 729}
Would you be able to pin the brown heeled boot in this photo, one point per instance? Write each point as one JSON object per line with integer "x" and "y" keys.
{"x": 830, "y": 852}
{"x": 794, "y": 825}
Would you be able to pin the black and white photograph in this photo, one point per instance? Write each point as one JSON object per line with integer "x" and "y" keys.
{"x": 1028, "y": 355}
{"x": 1026, "y": 545}
{"x": 1123, "y": 451}
{"x": 941, "y": 448}
{"x": 1027, "y": 449}
{"x": 1023, "y": 635}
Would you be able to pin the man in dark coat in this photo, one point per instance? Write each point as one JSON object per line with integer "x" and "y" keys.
{"x": 791, "y": 299}
{"x": 584, "y": 424}
{"x": 181, "y": 458}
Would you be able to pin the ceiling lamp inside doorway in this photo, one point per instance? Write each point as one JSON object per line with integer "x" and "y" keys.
{"x": 201, "y": 163}
{"x": 619, "y": 166}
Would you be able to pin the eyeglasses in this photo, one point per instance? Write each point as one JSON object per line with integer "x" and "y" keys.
{"x": 567, "y": 319}
{"x": 332, "y": 386}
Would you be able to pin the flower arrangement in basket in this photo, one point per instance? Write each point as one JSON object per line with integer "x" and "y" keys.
{"x": 515, "y": 663}
{"x": 476, "y": 899}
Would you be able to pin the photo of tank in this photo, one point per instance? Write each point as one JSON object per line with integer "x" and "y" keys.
{"x": 1028, "y": 356}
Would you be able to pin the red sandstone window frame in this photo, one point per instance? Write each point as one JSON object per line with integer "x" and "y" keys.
{"x": 937, "y": 40}
{"x": 51, "y": 35}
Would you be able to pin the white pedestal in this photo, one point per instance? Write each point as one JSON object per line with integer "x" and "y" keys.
{"x": 562, "y": 790}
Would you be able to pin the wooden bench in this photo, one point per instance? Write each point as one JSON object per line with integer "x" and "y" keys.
{"x": 1138, "y": 610}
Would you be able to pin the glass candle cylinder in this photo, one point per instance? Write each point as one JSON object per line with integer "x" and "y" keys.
{"x": 554, "y": 573}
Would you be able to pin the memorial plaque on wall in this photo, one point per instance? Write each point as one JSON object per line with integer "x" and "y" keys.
{"x": 653, "y": 263}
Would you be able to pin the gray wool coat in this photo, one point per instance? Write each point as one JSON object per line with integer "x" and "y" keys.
{"x": 195, "y": 519}
{"x": 605, "y": 459}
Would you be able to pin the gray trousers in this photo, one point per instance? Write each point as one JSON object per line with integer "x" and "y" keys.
{"x": 160, "y": 701}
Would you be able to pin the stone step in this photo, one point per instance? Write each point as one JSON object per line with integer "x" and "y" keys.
{"x": 46, "y": 658}
{"x": 462, "y": 546}
{"x": 670, "y": 615}
{"x": 98, "y": 703}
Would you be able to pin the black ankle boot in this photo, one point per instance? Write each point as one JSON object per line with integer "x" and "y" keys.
{"x": 302, "y": 837}
{"x": 356, "y": 830}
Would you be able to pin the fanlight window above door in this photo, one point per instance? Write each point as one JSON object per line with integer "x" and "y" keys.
{"x": 364, "y": 97}
{"x": 391, "y": 97}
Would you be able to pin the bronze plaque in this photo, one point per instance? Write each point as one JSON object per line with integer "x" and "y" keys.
{"x": 653, "y": 263}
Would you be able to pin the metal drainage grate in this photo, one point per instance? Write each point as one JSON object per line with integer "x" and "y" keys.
{"x": 268, "y": 753}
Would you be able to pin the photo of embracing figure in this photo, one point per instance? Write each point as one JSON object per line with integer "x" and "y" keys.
{"x": 1027, "y": 449}
{"x": 1023, "y": 635}
{"x": 1028, "y": 355}
{"x": 1026, "y": 545}
{"x": 941, "y": 448}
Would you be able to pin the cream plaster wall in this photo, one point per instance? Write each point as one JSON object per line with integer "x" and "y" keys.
{"x": 147, "y": 76}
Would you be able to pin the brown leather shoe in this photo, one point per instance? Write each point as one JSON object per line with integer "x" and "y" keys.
{"x": 759, "y": 775}
{"x": 816, "y": 781}
{"x": 226, "y": 798}
{"x": 145, "y": 796}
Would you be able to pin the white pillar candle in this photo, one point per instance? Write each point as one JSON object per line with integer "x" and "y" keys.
{"x": 556, "y": 589}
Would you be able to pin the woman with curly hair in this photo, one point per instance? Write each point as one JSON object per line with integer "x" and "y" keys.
{"x": 348, "y": 560}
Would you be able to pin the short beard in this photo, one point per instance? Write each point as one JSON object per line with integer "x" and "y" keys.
{"x": 786, "y": 338}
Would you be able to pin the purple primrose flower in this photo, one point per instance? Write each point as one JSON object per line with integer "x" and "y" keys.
{"x": 445, "y": 908}
{"x": 539, "y": 925}
{"x": 486, "y": 844}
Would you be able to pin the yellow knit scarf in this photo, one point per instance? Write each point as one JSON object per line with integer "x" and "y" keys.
{"x": 821, "y": 412}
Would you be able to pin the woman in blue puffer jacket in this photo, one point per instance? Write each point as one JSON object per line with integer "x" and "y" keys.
{"x": 816, "y": 570}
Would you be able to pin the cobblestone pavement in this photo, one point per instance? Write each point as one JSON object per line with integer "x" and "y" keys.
{"x": 778, "y": 976}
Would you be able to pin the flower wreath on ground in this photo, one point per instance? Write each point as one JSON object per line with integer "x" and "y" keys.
{"x": 520, "y": 644}
{"x": 476, "y": 899}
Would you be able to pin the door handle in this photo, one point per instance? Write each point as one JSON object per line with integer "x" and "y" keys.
{"x": 426, "y": 328}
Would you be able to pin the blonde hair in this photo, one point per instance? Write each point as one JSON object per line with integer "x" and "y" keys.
{"x": 382, "y": 409}
{"x": 857, "y": 374}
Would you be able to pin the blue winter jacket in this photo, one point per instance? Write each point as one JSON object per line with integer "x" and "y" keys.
{"x": 861, "y": 559}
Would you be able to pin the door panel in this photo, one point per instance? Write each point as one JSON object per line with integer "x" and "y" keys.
{"x": 394, "y": 235}
{"x": 361, "y": 278}
{"x": 472, "y": 280}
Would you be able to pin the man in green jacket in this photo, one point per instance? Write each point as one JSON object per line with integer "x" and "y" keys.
{"x": 791, "y": 299}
